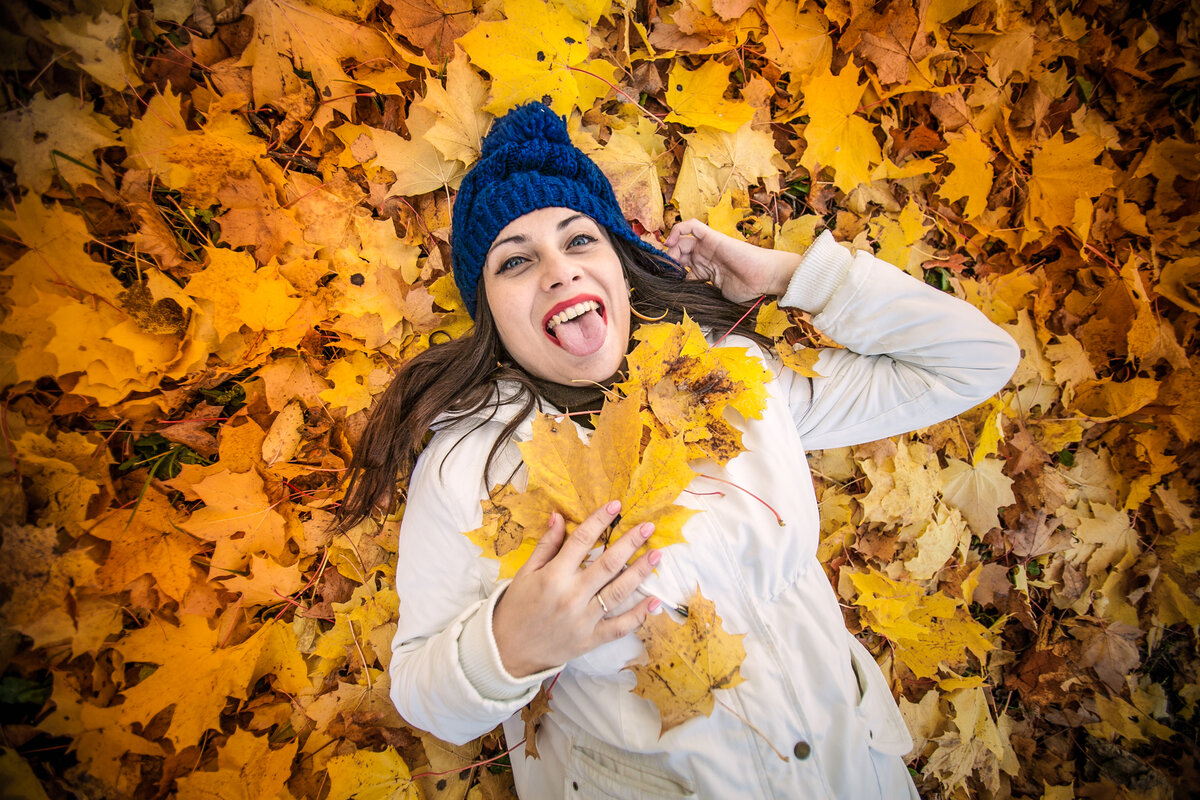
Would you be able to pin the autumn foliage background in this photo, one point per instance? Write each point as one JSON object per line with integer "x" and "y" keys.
{"x": 225, "y": 224}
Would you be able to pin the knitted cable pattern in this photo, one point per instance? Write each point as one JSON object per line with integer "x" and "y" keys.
{"x": 528, "y": 163}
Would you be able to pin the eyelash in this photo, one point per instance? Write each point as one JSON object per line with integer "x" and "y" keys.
{"x": 515, "y": 261}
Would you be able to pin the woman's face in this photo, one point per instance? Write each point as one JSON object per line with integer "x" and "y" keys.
{"x": 557, "y": 293}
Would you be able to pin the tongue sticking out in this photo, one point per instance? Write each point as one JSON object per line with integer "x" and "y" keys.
{"x": 583, "y": 335}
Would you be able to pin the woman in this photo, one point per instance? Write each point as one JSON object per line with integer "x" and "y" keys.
{"x": 546, "y": 261}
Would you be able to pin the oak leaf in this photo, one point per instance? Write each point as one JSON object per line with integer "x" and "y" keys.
{"x": 688, "y": 662}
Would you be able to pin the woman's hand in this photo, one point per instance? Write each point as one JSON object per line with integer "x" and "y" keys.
{"x": 741, "y": 271}
{"x": 550, "y": 613}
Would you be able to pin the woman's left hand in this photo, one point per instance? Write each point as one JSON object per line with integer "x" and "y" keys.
{"x": 741, "y": 271}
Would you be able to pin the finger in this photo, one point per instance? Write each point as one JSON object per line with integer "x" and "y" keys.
{"x": 624, "y": 624}
{"x": 547, "y": 546}
{"x": 626, "y": 583}
{"x": 615, "y": 558}
{"x": 583, "y": 539}
{"x": 680, "y": 230}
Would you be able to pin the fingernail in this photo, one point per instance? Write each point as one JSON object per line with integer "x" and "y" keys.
{"x": 647, "y": 529}
{"x": 655, "y": 604}
{"x": 613, "y": 506}
{"x": 654, "y": 557}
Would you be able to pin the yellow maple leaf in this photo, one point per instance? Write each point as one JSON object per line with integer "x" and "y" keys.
{"x": 355, "y": 380}
{"x": 416, "y": 162}
{"x": 198, "y": 675}
{"x": 575, "y": 478}
{"x": 100, "y": 736}
{"x": 927, "y": 631}
{"x": 687, "y": 386}
{"x": 247, "y": 769}
{"x": 289, "y": 35}
{"x": 460, "y": 121}
{"x": 221, "y": 153}
{"x": 799, "y": 40}
{"x": 979, "y": 491}
{"x": 688, "y": 662}
{"x": 238, "y": 516}
{"x": 146, "y": 540}
{"x": 366, "y": 775}
{"x": 717, "y": 162}
{"x": 801, "y": 359}
{"x": 101, "y": 46}
{"x": 1062, "y": 175}
{"x": 547, "y": 61}
{"x": 630, "y": 162}
{"x": 697, "y": 98}
{"x": 972, "y": 175}
{"x": 837, "y": 136}
{"x": 903, "y": 486}
{"x": 772, "y": 320}
{"x": 54, "y": 137}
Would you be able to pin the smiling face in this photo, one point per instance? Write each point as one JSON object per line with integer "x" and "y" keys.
{"x": 557, "y": 293}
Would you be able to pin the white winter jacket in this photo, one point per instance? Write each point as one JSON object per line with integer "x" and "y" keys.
{"x": 914, "y": 356}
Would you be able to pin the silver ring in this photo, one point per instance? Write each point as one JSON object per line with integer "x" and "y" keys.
{"x": 603, "y": 606}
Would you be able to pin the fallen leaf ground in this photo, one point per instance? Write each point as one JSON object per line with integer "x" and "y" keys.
{"x": 225, "y": 223}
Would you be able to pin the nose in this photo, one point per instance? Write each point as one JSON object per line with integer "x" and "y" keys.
{"x": 558, "y": 271}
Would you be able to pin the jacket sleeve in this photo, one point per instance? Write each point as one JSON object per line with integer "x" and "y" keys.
{"x": 914, "y": 355}
{"x": 445, "y": 670}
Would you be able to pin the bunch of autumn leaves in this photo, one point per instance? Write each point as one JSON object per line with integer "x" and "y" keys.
{"x": 669, "y": 412}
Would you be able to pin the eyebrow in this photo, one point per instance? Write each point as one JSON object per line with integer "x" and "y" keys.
{"x": 521, "y": 238}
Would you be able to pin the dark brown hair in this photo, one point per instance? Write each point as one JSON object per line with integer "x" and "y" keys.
{"x": 458, "y": 379}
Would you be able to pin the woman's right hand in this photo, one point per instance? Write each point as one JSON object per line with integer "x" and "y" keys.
{"x": 550, "y": 613}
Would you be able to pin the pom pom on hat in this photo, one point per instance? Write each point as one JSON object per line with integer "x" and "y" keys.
{"x": 523, "y": 124}
{"x": 528, "y": 163}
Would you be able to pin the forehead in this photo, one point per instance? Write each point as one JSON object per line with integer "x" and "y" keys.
{"x": 541, "y": 221}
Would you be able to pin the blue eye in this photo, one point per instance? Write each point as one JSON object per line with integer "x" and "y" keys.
{"x": 581, "y": 239}
{"x": 509, "y": 263}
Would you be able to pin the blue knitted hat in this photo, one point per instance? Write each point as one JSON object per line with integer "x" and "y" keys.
{"x": 528, "y": 163}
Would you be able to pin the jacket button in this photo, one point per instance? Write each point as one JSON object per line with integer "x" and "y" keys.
{"x": 802, "y": 750}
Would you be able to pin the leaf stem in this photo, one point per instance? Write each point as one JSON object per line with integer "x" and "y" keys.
{"x": 431, "y": 774}
{"x": 778, "y": 518}
{"x": 761, "y": 297}
{"x": 751, "y": 726}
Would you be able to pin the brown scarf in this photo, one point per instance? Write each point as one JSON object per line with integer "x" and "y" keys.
{"x": 587, "y": 398}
